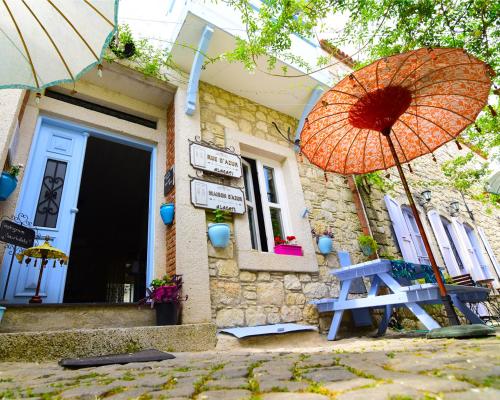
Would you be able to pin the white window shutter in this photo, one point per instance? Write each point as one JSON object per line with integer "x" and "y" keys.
{"x": 400, "y": 228}
{"x": 489, "y": 250}
{"x": 443, "y": 243}
{"x": 464, "y": 247}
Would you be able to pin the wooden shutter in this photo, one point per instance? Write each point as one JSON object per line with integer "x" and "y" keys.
{"x": 401, "y": 229}
{"x": 443, "y": 243}
{"x": 489, "y": 250}
{"x": 464, "y": 247}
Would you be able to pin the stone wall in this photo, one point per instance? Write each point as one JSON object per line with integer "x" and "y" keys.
{"x": 242, "y": 298}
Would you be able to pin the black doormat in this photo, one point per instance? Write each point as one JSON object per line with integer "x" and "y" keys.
{"x": 140, "y": 356}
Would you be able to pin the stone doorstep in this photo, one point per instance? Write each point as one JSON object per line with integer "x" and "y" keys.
{"x": 55, "y": 317}
{"x": 56, "y": 345}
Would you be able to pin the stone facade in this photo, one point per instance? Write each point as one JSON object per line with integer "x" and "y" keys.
{"x": 242, "y": 298}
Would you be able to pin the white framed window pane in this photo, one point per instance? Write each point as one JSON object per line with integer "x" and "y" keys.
{"x": 246, "y": 173}
{"x": 423, "y": 258}
{"x": 276, "y": 222}
{"x": 451, "y": 239}
{"x": 270, "y": 182}
{"x": 252, "y": 227}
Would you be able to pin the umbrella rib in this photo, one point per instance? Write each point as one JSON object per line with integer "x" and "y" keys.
{"x": 318, "y": 106}
{"x": 446, "y": 109}
{"x": 432, "y": 122}
{"x": 100, "y": 13}
{"x": 347, "y": 93}
{"x": 448, "y": 94}
{"x": 349, "y": 149}
{"x": 50, "y": 39}
{"x": 382, "y": 149}
{"x": 376, "y": 72}
{"x": 440, "y": 69}
{"x": 326, "y": 137}
{"x": 399, "y": 68}
{"x": 354, "y": 76}
{"x": 450, "y": 80}
{"x": 417, "y": 135}
{"x": 364, "y": 150}
{"x": 425, "y": 62}
{"x": 322, "y": 129}
{"x": 326, "y": 116}
{"x": 74, "y": 29}
{"x": 336, "y": 144}
{"x": 23, "y": 42}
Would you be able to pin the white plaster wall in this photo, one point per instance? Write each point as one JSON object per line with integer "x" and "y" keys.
{"x": 10, "y": 104}
{"x": 191, "y": 237}
{"x": 103, "y": 123}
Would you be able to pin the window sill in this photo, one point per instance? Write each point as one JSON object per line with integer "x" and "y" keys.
{"x": 252, "y": 260}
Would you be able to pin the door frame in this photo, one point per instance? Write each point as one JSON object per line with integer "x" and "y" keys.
{"x": 113, "y": 137}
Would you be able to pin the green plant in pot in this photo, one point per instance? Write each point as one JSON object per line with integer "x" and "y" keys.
{"x": 219, "y": 231}
{"x": 123, "y": 46}
{"x": 164, "y": 295}
{"x": 8, "y": 181}
{"x": 368, "y": 245}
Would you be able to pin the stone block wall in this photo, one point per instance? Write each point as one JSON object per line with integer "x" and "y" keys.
{"x": 243, "y": 298}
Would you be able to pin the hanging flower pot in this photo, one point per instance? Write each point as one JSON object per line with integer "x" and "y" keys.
{"x": 219, "y": 234}
{"x": 167, "y": 211}
{"x": 367, "y": 245}
{"x": 325, "y": 245}
{"x": 8, "y": 184}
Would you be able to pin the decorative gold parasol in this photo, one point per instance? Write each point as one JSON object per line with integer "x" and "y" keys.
{"x": 46, "y": 252}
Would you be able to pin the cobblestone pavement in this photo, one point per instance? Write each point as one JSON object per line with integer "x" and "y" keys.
{"x": 367, "y": 369}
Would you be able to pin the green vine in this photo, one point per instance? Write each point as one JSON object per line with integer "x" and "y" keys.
{"x": 374, "y": 179}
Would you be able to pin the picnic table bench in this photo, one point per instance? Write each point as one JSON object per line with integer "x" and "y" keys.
{"x": 411, "y": 297}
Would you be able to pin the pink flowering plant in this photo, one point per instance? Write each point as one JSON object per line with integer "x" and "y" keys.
{"x": 165, "y": 290}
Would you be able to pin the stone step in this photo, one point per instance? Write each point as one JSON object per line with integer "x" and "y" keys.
{"x": 72, "y": 343}
{"x": 49, "y": 317}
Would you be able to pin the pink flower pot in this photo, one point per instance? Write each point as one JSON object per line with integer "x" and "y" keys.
{"x": 288, "y": 249}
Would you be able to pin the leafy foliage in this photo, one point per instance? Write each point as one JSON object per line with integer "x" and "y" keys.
{"x": 220, "y": 216}
{"x": 375, "y": 179}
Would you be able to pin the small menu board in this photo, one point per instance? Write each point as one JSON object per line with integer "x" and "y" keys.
{"x": 16, "y": 234}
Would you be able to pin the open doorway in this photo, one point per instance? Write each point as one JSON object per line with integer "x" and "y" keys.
{"x": 110, "y": 239}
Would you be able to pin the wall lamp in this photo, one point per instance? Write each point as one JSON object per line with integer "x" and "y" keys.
{"x": 425, "y": 197}
{"x": 454, "y": 208}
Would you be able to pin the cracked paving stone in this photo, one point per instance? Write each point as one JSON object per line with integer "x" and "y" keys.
{"x": 475, "y": 394}
{"x": 88, "y": 392}
{"x": 431, "y": 383}
{"x": 225, "y": 395}
{"x": 328, "y": 374}
{"x": 268, "y": 385}
{"x": 228, "y": 383}
{"x": 351, "y": 384}
{"x": 129, "y": 394}
{"x": 293, "y": 396}
{"x": 382, "y": 392}
{"x": 240, "y": 372}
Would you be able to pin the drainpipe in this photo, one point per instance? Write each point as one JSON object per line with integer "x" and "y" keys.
{"x": 360, "y": 207}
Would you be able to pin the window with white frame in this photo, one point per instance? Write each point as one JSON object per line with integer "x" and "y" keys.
{"x": 452, "y": 238}
{"x": 476, "y": 253}
{"x": 266, "y": 202}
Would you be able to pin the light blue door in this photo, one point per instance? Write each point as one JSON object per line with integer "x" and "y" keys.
{"x": 49, "y": 196}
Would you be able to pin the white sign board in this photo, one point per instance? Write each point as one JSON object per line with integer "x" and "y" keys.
{"x": 216, "y": 161}
{"x": 214, "y": 196}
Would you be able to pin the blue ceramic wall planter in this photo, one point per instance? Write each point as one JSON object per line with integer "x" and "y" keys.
{"x": 8, "y": 183}
{"x": 167, "y": 211}
{"x": 2, "y": 310}
{"x": 325, "y": 245}
{"x": 219, "y": 234}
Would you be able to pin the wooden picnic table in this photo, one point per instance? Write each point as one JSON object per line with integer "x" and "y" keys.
{"x": 411, "y": 297}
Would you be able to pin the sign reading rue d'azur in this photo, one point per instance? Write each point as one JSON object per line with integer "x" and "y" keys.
{"x": 213, "y": 196}
{"x": 215, "y": 161}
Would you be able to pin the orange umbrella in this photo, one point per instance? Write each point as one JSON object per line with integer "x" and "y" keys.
{"x": 393, "y": 111}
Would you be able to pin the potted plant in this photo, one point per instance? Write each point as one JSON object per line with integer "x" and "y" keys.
{"x": 368, "y": 245}
{"x": 123, "y": 46}
{"x": 8, "y": 181}
{"x": 288, "y": 247}
{"x": 165, "y": 297}
{"x": 219, "y": 231}
{"x": 167, "y": 213}
{"x": 324, "y": 238}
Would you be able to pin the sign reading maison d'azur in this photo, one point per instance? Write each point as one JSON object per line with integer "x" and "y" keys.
{"x": 214, "y": 196}
{"x": 216, "y": 161}
{"x": 16, "y": 234}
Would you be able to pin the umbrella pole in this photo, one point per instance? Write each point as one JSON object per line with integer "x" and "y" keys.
{"x": 445, "y": 297}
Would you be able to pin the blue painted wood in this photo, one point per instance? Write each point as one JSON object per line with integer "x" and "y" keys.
{"x": 313, "y": 99}
{"x": 61, "y": 143}
{"x": 194, "y": 76}
{"x": 472, "y": 317}
{"x": 384, "y": 323}
{"x": 425, "y": 318}
{"x": 345, "y": 286}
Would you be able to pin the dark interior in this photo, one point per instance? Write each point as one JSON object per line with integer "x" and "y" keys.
{"x": 109, "y": 248}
